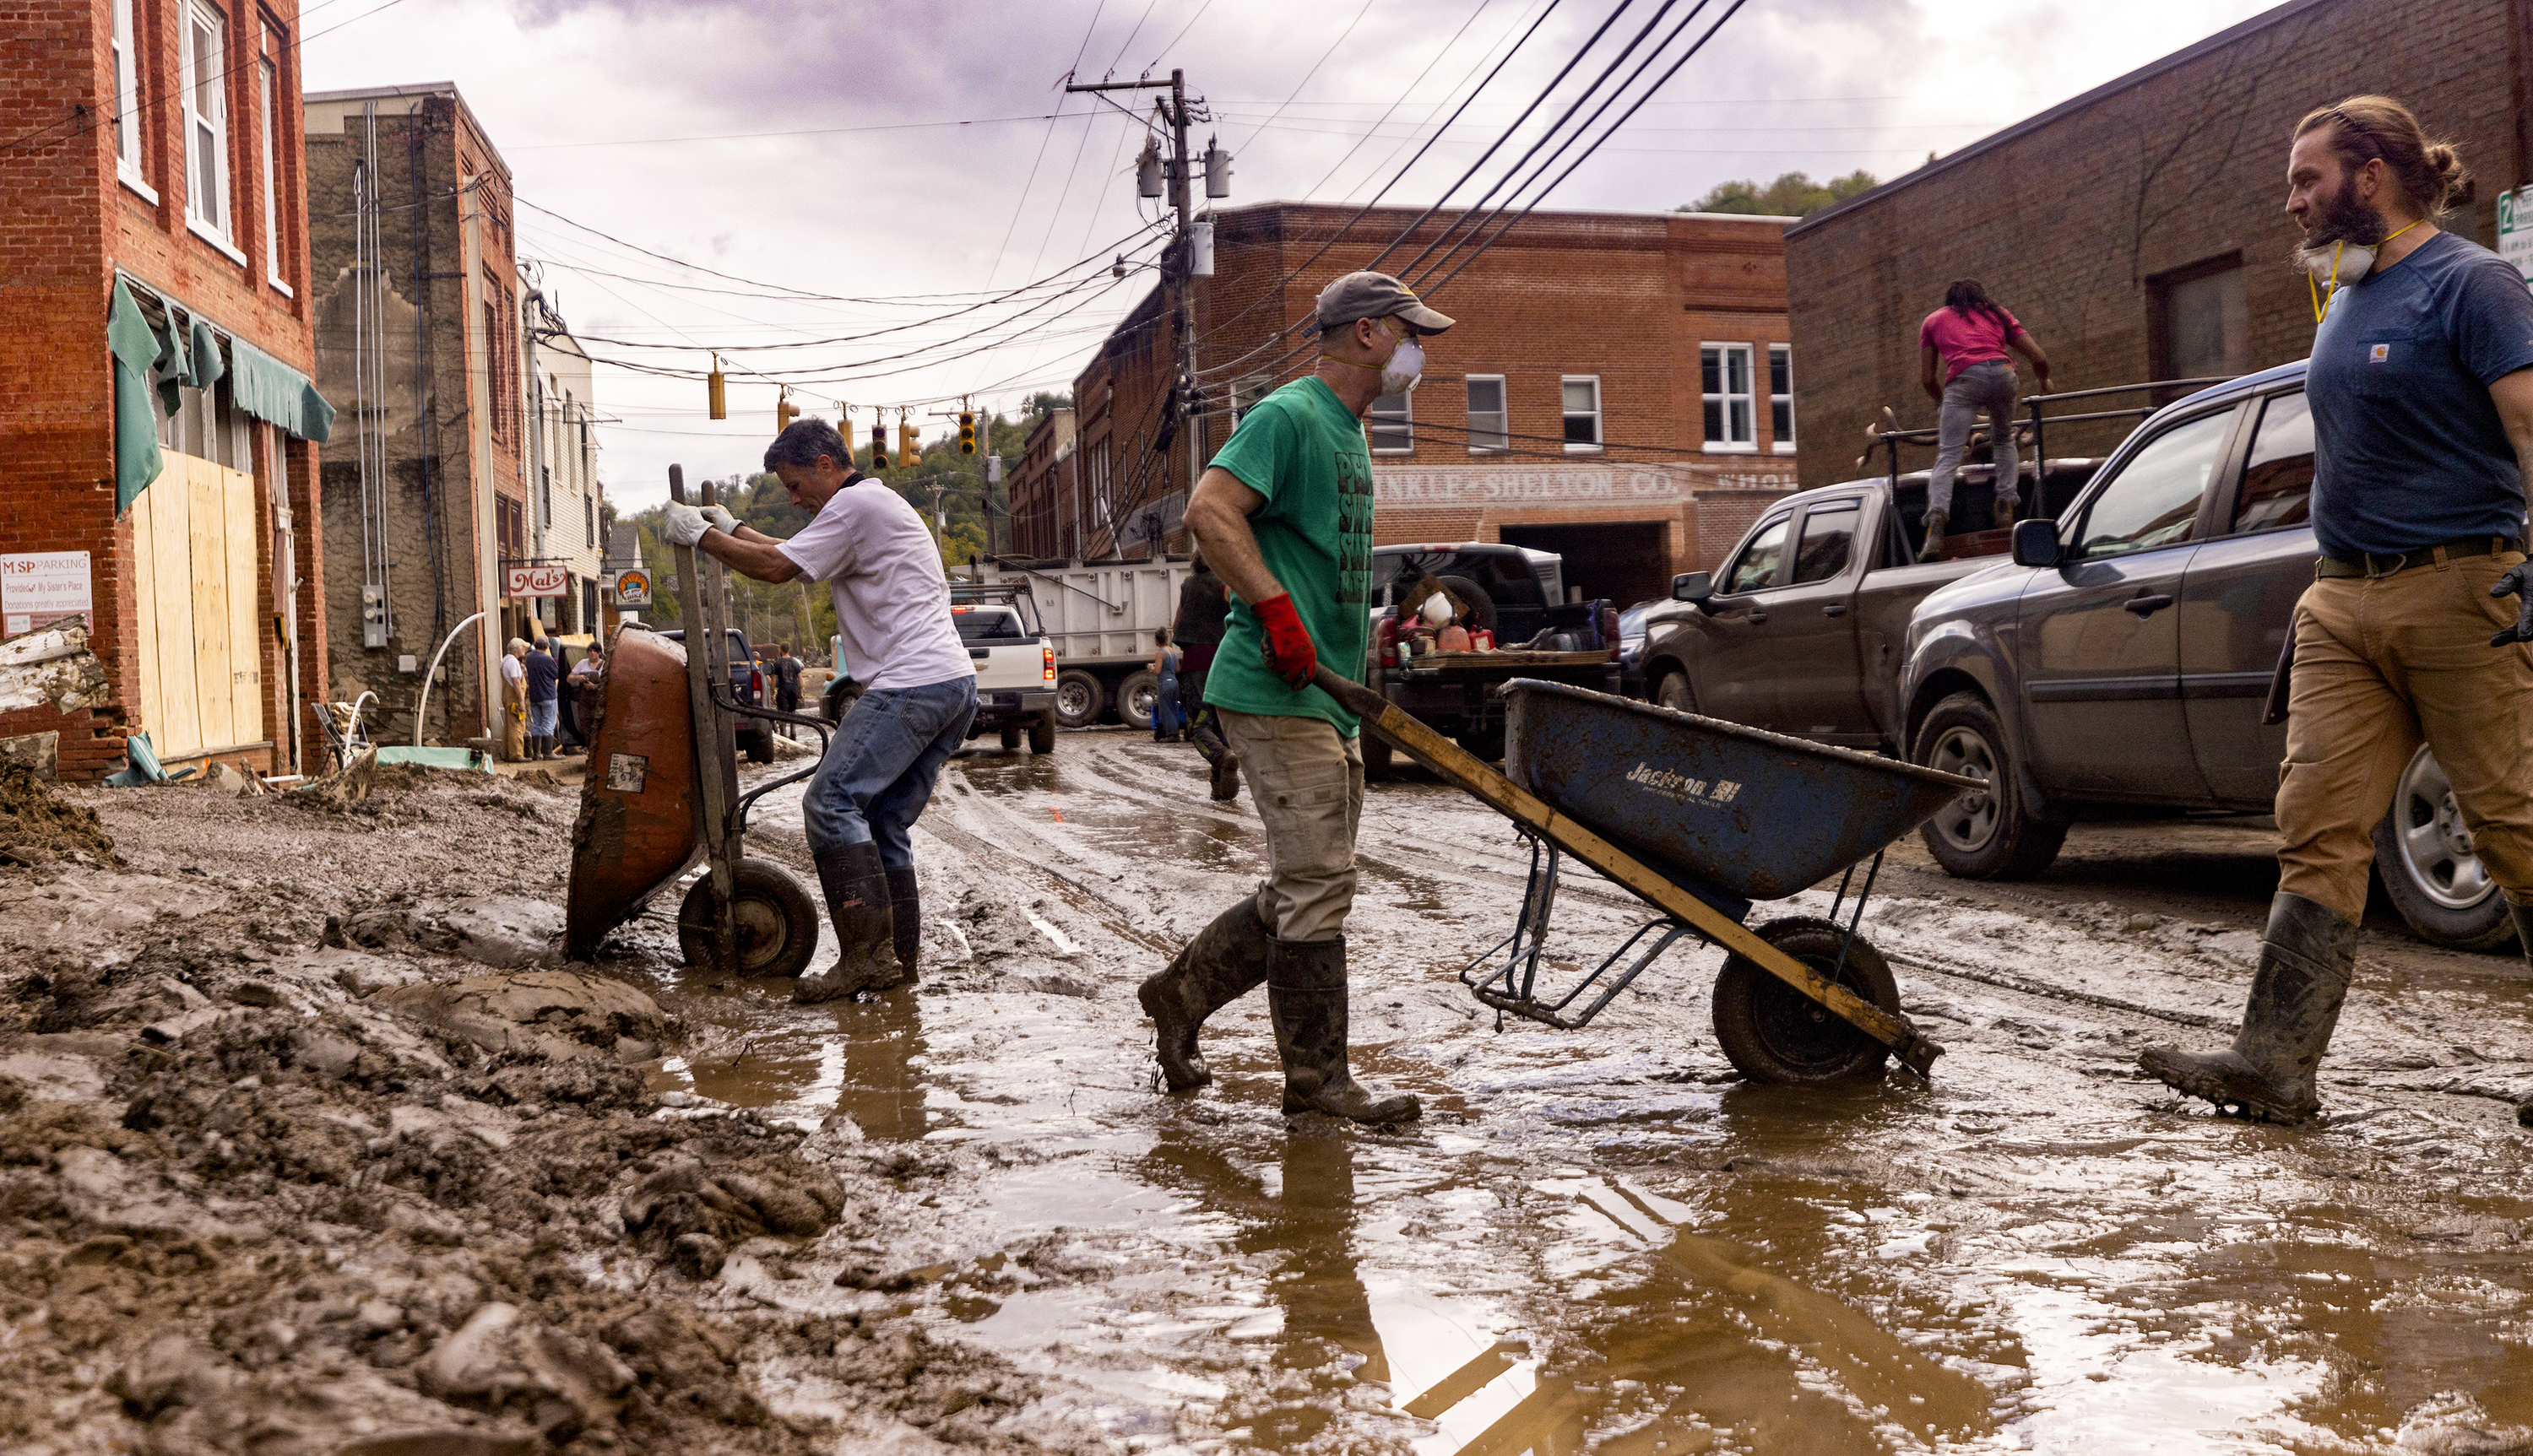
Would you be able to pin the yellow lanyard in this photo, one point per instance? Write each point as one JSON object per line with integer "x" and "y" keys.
{"x": 2320, "y": 308}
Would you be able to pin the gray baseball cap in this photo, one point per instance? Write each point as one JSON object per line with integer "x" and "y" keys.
{"x": 1375, "y": 296}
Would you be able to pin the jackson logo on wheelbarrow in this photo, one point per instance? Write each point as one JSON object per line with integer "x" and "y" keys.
{"x": 1681, "y": 789}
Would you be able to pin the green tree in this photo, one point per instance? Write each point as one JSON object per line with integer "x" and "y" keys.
{"x": 1794, "y": 195}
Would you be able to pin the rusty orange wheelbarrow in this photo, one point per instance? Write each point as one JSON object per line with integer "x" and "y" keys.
{"x": 663, "y": 789}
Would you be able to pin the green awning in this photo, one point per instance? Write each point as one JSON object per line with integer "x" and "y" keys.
{"x": 268, "y": 389}
{"x": 135, "y": 347}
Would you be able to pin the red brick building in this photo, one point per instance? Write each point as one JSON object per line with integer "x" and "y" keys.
{"x": 154, "y": 347}
{"x": 1044, "y": 490}
{"x": 2138, "y": 230}
{"x": 1617, "y": 389}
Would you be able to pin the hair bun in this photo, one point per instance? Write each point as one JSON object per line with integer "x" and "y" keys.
{"x": 2444, "y": 164}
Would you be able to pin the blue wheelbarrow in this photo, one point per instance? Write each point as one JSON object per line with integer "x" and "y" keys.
{"x": 1700, "y": 819}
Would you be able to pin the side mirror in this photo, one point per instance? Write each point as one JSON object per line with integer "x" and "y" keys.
{"x": 2035, "y": 543}
{"x": 1693, "y": 587}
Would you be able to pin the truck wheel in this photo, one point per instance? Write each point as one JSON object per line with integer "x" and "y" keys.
{"x": 1079, "y": 699}
{"x": 1771, "y": 1032}
{"x": 1041, "y": 733}
{"x": 1673, "y": 693}
{"x": 1135, "y": 698}
{"x": 1982, "y": 836}
{"x": 1011, "y": 736}
{"x": 1482, "y": 608}
{"x": 778, "y": 922}
{"x": 1375, "y": 757}
{"x": 2424, "y": 853}
{"x": 760, "y": 747}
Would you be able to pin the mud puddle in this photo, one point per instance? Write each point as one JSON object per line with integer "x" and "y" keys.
{"x": 1602, "y": 1241}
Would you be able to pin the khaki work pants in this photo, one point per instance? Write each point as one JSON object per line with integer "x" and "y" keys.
{"x": 2379, "y": 664}
{"x": 1307, "y": 781}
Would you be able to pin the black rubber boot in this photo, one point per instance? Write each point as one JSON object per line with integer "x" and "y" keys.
{"x": 856, "y": 891}
{"x": 2307, "y": 955}
{"x": 1227, "y": 960}
{"x": 2522, "y": 916}
{"x": 1217, "y": 757}
{"x": 1306, "y": 993}
{"x": 906, "y": 918}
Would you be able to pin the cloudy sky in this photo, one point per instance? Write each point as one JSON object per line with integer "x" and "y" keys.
{"x": 899, "y": 161}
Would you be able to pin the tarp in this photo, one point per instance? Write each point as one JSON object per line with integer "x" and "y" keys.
{"x": 135, "y": 348}
{"x": 268, "y": 389}
{"x": 174, "y": 369}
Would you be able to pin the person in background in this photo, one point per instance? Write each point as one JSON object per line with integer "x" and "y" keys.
{"x": 514, "y": 701}
{"x": 1975, "y": 340}
{"x": 582, "y": 685}
{"x": 542, "y": 673}
{"x": 1167, "y": 719}
{"x": 1203, "y": 604}
{"x": 785, "y": 671}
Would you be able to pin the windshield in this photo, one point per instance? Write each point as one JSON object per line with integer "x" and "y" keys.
{"x": 1632, "y": 622}
{"x": 989, "y": 625}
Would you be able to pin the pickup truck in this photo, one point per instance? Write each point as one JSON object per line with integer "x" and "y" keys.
{"x": 1015, "y": 669}
{"x": 1802, "y": 630}
{"x": 747, "y": 685}
{"x": 2120, "y": 662}
{"x": 1511, "y": 591}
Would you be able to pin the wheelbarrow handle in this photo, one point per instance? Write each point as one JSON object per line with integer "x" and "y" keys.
{"x": 1462, "y": 770}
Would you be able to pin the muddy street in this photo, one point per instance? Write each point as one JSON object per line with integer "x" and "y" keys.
{"x": 313, "y": 1135}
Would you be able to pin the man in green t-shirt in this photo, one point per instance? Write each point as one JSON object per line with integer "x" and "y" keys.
{"x": 1284, "y": 516}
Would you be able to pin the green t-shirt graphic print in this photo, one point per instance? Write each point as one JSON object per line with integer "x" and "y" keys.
{"x": 1304, "y": 451}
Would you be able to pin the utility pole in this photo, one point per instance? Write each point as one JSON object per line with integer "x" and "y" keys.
{"x": 1183, "y": 250}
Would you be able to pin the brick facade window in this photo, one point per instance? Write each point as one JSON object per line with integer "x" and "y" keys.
{"x": 501, "y": 360}
{"x": 268, "y": 94}
{"x": 127, "y": 100}
{"x": 1582, "y": 394}
{"x": 1780, "y": 396}
{"x": 510, "y": 528}
{"x": 1490, "y": 423}
{"x": 2199, "y": 328}
{"x": 1391, "y": 423}
{"x": 206, "y": 122}
{"x": 1723, "y": 375}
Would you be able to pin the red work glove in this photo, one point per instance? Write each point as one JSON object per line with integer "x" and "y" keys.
{"x": 1288, "y": 650}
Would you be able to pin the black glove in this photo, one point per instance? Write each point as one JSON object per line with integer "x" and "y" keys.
{"x": 2519, "y": 581}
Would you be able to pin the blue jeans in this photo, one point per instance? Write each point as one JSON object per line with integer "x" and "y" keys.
{"x": 1166, "y": 717}
{"x": 541, "y": 716}
{"x": 880, "y": 770}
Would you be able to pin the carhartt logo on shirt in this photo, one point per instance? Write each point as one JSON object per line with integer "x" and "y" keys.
{"x": 2378, "y": 353}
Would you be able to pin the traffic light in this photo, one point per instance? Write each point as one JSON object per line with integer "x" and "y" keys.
{"x": 880, "y": 446}
{"x": 716, "y": 395}
{"x": 909, "y": 451}
{"x": 785, "y": 412}
{"x": 967, "y": 433}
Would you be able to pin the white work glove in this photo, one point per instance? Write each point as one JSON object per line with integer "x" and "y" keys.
{"x": 684, "y": 525}
{"x": 721, "y": 517}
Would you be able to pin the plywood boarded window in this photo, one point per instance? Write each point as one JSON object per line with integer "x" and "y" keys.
{"x": 194, "y": 535}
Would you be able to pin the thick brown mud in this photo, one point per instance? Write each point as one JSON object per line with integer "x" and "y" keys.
{"x": 962, "y": 1213}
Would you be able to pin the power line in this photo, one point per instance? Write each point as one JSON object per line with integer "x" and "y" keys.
{"x": 1314, "y": 69}
{"x": 902, "y": 126}
{"x": 1032, "y": 181}
{"x": 1181, "y": 36}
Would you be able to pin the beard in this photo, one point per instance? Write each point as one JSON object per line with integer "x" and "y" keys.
{"x": 2345, "y": 218}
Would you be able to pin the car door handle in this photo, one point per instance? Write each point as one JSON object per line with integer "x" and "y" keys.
{"x": 2149, "y": 603}
{"x": 1757, "y": 616}
{"x": 1835, "y": 608}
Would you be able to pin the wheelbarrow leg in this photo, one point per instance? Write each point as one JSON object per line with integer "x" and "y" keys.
{"x": 705, "y": 648}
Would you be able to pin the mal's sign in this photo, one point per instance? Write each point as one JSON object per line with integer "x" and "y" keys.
{"x": 41, "y": 587}
{"x": 535, "y": 581}
{"x": 633, "y": 588}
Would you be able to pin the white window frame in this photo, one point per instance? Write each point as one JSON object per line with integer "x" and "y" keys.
{"x": 267, "y": 84}
{"x": 1498, "y": 441}
{"x": 1725, "y": 398}
{"x": 1404, "y": 418}
{"x": 1566, "y": 413}
{"x": 127, "y": 104}
{"x": 1246, "y": 392}
{"x": 1784, "y": 402}
{"x": 206, "y": 200}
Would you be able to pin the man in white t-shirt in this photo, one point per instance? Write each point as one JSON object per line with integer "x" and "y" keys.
{"x": 893, "y": 616}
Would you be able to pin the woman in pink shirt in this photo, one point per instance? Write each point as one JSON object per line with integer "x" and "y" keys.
{"x": 1972, "y": 337}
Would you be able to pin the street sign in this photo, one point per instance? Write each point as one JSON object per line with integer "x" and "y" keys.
{"x": 41, "y": 587}
{"x": 535, "y": 581}
{"x": 2515, "y": 231}
{"x": 633, "y": 588}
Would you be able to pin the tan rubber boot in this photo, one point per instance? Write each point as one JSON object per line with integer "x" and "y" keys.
{"x": 1306, "y": 993}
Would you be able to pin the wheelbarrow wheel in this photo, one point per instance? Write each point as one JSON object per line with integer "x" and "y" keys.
{"x": 778, "y": 922}
{"x": 1771, "y": 1032}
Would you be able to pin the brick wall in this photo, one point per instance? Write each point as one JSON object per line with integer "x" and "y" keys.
{"x": 66, "y": 223}
{"x": 1658, "y": 286}
{"x": 2070, "y": 220}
